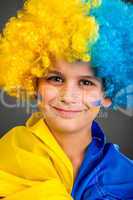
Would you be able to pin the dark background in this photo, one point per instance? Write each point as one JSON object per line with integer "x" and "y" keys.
{"x": 117, "y": 125}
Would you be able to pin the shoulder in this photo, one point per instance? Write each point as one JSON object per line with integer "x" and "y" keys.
{"x": 112, "y": 154}
{"x": 115, "y": 174}
{"x": 13, "y": 132}
{"x": 17, "y": 136}
{"x": 18, "y": 152}
{"x": 117, "y": 160}
{"x": 9, "y": 148}
{"x": 112, "y": 176}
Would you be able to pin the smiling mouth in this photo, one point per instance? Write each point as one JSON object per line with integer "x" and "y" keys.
{"x": 60, "y": 109}
{"x": 67, "y": 113}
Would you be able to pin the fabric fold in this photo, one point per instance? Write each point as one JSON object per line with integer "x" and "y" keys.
{"x": 30, "y": 165}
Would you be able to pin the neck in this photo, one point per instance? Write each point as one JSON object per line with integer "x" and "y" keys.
{"x": 75, "y": 143}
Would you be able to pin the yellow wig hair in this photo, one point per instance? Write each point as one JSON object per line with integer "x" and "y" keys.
{"x": 43, "y": 31}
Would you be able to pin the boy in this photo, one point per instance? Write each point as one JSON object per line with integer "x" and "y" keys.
{"x": 61, "y": 152}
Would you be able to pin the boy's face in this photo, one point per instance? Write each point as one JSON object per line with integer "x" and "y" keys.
{"x": 71, "y": 96}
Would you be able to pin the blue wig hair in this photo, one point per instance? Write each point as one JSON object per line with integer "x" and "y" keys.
{"x": 112, "y": 54}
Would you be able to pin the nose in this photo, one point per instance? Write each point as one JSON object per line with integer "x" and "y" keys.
{"x": 69, "y": 94}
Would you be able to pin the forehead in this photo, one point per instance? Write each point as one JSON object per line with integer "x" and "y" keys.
{"x": 72, "y": 69}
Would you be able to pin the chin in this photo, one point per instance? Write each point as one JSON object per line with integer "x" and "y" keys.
{"x": 61, "y": 124}
{"x": 66, "y": 125}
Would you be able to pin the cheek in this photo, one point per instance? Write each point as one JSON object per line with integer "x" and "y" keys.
{"x": 92, "y": 98}
{"x": 48, "y": 93}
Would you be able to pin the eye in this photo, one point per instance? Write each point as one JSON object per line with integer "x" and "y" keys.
{"x": 86, "y": 83}
{"x": 55, "y": 79}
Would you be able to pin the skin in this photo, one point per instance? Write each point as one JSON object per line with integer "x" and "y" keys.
{"x": 66, "y": 89}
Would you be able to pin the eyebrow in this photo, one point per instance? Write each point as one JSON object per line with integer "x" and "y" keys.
{"x": 81, "y": 76}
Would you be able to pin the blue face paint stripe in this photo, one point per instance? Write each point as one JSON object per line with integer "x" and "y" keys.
{"x": 96, "y": 103}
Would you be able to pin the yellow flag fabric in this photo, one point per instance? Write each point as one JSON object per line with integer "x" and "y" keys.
{"x": 33, "y": 165}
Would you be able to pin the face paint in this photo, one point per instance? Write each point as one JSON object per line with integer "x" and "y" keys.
{"x": 96, "y": 103}
{"x": 94, "y": 106}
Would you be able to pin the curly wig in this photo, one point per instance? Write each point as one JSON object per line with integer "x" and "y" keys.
{"x": 41, "y": 32}
{"x": 112, "y": 54}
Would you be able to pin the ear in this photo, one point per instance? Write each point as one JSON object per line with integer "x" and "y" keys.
{"x": 106, "y": 102}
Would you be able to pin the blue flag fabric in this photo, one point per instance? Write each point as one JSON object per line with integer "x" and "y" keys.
{"x": 105, "y": 173}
